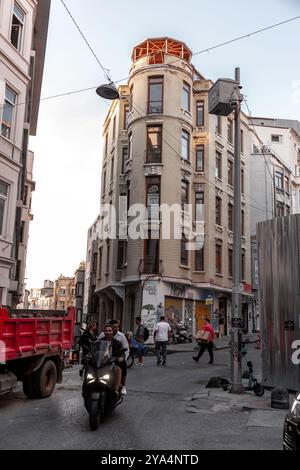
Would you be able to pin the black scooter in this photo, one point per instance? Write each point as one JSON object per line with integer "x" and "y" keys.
{"x": 98, "y": 390}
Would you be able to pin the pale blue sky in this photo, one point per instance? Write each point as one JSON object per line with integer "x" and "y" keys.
{"x": 68, "y": 148}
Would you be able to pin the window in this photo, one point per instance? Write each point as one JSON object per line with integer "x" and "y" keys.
{"x": 184, "y": 193}
{"x": 107, "y": 256}
{"x": 131, "y": 98}
{"x": 230, "y": 261}
{"x": 114, "y": 128}
{"x": 278, "y": 180}
{"x": 218, "y": 258}
{"x": 230, "y": 172}
{"x": 199, "y": 259}
{"x": 122, "y": 248}
{"x": 94, "y": 263}
{"x": 106, "y": 144}
{"x": 17, "y": 27}
{"x": 154, "y": 144}
{"x": 185, "y": 145}
{"x": 153, "y": 197}
{"x": 126, "y": 112}
{"x": 78, "y": 315}
{"x": 100, "y": 263}
{"x": 287, "y": 185}
{"x": 124, "y": 158}
{"x": 243, "y": 223}
{"x": 155, "y": 95}
{"x": 104, "y": 183}
{"x": 242, "y": 141}
{"x": 199, "y": 196}
{"x": 186, "y": 96}
{"x": 3, "y": 203}
{"x": 22, "y": 232}
{"x": 218, "y": 210}
{"x": 243, "y": 181}
{"x": 200, "y": 157}
{"x": 219, "y": 125}
{"x": 112, "y": 168}
{"x": 218, "y": 165}
{"x": 276, "y": 138}
{"x": 230, "y": 131}
{"x": 279, "y": 209}
{"x": 184, "y": 254}
{"x": 151, "y": 261}
{"x": 287, "y": 210}
{"x": 8, "y": 113}
{"x": 79, "y": 289}
{"x": 130, "y": 146}
{"x": 62, "y": 292}
{"x": 230, "y": 216}
{"x": 243, "y": 263}
{"x": 200, "y": 114}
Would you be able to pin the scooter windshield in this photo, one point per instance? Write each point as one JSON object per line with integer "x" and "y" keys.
{"x": 101, "y": 352}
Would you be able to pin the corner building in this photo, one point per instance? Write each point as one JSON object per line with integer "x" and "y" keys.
{"x": 161, "y": 146}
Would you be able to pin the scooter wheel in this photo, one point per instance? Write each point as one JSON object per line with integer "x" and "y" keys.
{"x": 94, "y": 416}
{"x": 129, "y": 361}
{"x": 258, "y": 389}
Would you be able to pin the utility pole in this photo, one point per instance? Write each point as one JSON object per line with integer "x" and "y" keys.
{"x": 224, "y": 97}
{"x": 237, "y": 287}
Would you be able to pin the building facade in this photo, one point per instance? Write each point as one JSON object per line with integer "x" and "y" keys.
{"x": 23, "y": 36}
{"x": 162, "y": 147}
{"x": 91, "y": 300}
{"x": 274, "y": 180}
{"x": 64, "y": 293}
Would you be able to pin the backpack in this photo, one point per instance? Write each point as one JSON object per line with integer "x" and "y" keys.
{"x": 146, "y": 333}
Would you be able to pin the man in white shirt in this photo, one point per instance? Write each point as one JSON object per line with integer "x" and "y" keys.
{"x": 161, "y": 336}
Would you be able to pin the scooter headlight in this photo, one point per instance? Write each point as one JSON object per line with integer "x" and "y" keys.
{"x": 105, "y": 377}
{"x": 90, "y": 378}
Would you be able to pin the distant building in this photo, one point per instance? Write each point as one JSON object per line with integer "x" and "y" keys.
{"x": 64, "y": 293}
{"x": 91, "y": 300}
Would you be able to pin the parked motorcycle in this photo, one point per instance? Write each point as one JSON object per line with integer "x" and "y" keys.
{"x": 98, "y": 388}
{"x": 182, "y": 334}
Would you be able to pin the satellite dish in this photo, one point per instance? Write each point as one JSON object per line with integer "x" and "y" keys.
{"x": 108, "y": 91}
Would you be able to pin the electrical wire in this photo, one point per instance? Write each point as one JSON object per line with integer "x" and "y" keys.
{"x": 105, "y": 71}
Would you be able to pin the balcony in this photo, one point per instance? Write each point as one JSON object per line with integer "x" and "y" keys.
{"x": 154, "y": 107}
{"x": 153, "y": 155}
{"x": 151, "y": 265}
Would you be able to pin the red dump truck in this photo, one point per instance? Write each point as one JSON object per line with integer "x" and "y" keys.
{"x": 32, "y": 346}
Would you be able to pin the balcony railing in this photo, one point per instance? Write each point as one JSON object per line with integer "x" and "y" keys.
{"x": 151, "y": 265}
{"x": 153, "y": 155}
{"x": 155, "y": 107}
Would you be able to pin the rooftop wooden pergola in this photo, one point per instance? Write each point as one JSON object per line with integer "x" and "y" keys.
{"x": 156, "y": 48}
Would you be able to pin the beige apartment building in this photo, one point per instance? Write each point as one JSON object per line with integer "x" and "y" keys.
{"x": 23, "y": 36}
{"x": 161, "y": 146}
{"x": 64, "y": 294}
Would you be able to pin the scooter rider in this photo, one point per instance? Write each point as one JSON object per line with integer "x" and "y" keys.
{"x": 117, "y": 351}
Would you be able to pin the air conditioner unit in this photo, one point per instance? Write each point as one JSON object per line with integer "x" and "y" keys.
{"x": 255, "y": 149}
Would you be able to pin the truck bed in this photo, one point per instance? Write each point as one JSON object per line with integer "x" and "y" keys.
{"x": 25, "y": 333}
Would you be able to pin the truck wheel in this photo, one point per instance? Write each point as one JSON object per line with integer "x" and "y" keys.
{"x": 94, "y": 417}
{"x": 44, "y": 380}
{"x": 27, "y": 386}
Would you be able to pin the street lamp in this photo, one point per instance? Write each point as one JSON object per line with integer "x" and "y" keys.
{"x": 108, "y": 91}
{"x": 224, "y": 98}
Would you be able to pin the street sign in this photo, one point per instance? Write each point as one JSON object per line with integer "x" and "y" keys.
{"x": 209, "y": 301}
{"x": 289, "y": 325}
{"x": 236, "y": 323}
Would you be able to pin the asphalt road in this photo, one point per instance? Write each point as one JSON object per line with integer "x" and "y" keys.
{"x": 166, "y": 408}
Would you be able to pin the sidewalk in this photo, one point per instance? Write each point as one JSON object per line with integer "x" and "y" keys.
{"x": 221, "y": 343}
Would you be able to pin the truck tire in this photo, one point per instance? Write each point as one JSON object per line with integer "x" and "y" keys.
{"x": 44, "y": 380}
{"x": 27, "y": 386}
